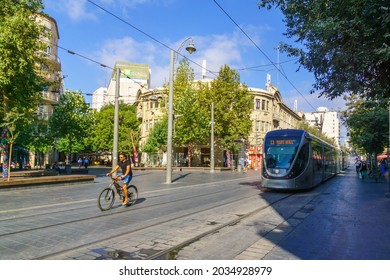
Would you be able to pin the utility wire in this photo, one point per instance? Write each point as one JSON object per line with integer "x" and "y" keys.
{"x": 254, "y": 43}
{"x": 149, "y": 36}
{"x": 94, "y": 61}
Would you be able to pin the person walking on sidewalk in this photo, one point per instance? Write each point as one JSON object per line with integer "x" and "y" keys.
{"x": 383, "y": 165}
{"x": 358, "y": 164}
{"x": 363, "y": 170}
{"x": 127, "y": 174}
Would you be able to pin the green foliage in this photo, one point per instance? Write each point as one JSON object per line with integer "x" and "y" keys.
{"x": 345, "y": 43}
{"x": 192, "y": 116}
{"x": 65, "y": 145}
{"x": 21, "y": 54}
{"x": 71, "y": 120}
{"x": 13, "y": 120}
{"x": 36, "y": 136}
{"x": 232, "y": 108}
{"x": 157, "y": 137}
{"x": 368, "y": 123}
{"x": 101, "y": 135}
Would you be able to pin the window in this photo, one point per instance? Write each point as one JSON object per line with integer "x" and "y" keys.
{"x": 257, "y": 125}
{"x": 257, "y": 103}
{"x": 262, "y": 126}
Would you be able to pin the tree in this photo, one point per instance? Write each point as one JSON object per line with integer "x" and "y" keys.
{"x": 192, "y": 115}
{"x": 157, "y": 139}
{"x": 368, "y": 124}
{"x": 345, "y": 44}
{"x": 21, "y": 58}
{"x": 11, "y": 120}
{"x": 101, "y": 132}
{"x": 70, "y": 122}
{"x": 232, "y": 108}
{"x": 36, "y": 136}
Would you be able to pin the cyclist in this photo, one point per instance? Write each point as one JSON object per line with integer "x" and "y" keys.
{"x": 127, "y": 174}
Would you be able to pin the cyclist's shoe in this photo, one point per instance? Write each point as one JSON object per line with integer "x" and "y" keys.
{"x": 125, "y": 203}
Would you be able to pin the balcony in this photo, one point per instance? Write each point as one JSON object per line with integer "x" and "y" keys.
{"x": 50, "y": 97}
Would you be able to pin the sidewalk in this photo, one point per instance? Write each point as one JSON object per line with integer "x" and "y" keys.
{"x": 349, "y": 220}
{"x": 23, "y": 179}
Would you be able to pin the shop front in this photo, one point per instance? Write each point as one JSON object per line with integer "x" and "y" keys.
{"x": 255, "y": 156}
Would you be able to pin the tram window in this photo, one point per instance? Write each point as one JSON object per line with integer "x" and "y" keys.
{"x": 302, "y": 159}
{"x": 280, "y": 157}
{"x": 279, "y": 152}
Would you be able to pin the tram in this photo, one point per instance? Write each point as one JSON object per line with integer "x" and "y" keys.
{"x": 295, "y": 159}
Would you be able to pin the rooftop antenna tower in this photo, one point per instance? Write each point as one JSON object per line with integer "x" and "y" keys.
{"x": 278, "y": 67}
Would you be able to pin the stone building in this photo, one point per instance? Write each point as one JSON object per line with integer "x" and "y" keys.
{"x": 269, "y": 113}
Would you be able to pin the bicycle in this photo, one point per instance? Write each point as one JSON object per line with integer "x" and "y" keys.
{"x": 106, "y": 197}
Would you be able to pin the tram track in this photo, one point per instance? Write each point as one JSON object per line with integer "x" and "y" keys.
{"x": 102, "y": 214}
{"x": 160, "y": 223}
{"x": 167, "y": 253}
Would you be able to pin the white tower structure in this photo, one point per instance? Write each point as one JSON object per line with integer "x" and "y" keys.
{"x": 98, "y": 98}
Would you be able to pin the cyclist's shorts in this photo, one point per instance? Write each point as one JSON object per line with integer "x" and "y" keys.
{"x": 127, "y": 179}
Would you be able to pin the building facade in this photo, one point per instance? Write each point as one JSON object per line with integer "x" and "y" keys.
{"x": 99, "y": 97}
{"x": 269, "y": 112}
{"x": 328, "y": 122}
{"x": 134, "y": 76}
{"x": 51, "y": 94}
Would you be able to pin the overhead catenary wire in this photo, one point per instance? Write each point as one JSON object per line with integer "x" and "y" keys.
{"x": 149, "y": 36}
{"x": 265, "y": 55}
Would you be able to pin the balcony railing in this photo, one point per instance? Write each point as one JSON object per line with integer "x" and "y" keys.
{"x": 51, "y": 96}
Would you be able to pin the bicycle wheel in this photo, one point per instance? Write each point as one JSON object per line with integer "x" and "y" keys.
{"x": 132, "y": 194}
{"x": 106, "y": 199}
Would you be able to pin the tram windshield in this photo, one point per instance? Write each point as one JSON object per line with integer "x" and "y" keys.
{"x": 279, "y": 152}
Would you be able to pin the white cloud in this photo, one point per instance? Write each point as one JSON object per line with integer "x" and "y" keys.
{"x": 217, "y": 50}
{"x": 75, "y": 9}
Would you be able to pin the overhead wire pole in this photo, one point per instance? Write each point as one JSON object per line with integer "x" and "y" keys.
{"x": 212, "y": 164}
{"x": 116, "y": 120}
{"x": 191, "y": 48}
{"x": 388, "y": 159}
{"x": 170, "y": 120}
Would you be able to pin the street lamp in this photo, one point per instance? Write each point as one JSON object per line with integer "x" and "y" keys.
{"x": 190, "y": 48}
{"x": 212, "y": 163}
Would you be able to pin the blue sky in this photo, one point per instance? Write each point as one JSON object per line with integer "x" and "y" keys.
{"x": 142, "y": 30}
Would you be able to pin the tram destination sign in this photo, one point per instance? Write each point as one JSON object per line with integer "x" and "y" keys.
{"x": 285, "y": 142}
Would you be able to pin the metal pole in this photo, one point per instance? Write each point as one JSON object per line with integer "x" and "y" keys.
{"x": 116, "y": 121}
{"x": 388, "y": 159}
{"x": 212, "y": 164}
{"x": 170, "y": 121}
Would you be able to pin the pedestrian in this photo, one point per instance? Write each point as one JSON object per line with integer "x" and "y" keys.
{"x": 80, "y": 162}
{"x": 245, "y": 166}
{"x": 383, "y": 165}
{"x": 86, "y": 162}
{"x": 55, "y": 166}
{"x": 127, "y": 174}
{"x": 363, "y": 170}
{"x": 358, "y": 164}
